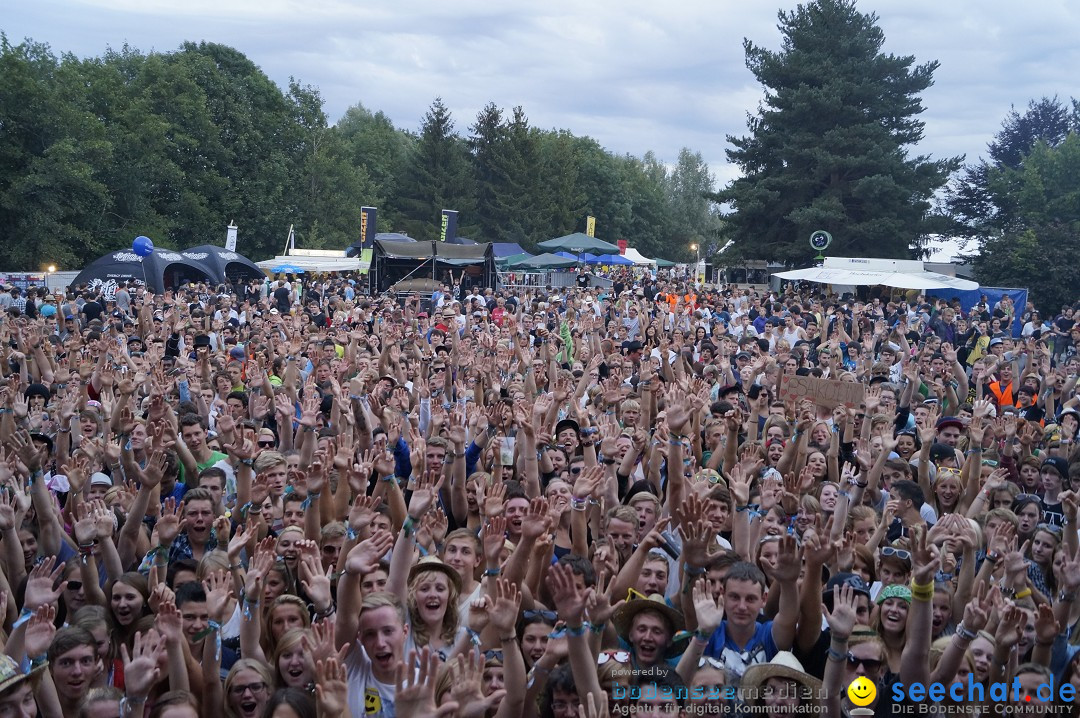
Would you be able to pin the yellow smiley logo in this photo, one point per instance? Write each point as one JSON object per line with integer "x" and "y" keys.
{"x": 862, "y": 691}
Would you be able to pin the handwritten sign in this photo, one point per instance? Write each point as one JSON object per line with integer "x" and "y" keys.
{"x": 824, "y": 392}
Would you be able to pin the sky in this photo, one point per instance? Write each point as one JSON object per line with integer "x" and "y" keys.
{"x": 636, "y": 76}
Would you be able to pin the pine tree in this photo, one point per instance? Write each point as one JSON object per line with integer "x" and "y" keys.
{"x": 437, "y": 177}
{"x": 828, "y": 148}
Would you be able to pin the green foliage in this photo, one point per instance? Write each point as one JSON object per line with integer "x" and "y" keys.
{"x": 827, "y": 148}
{"x": 175, "y": 145}
{"x": 1038, "y": 247}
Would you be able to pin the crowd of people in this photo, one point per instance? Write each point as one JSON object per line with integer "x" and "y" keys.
{"x": 291, "y": 499}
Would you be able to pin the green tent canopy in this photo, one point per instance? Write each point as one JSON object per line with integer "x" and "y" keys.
{"x": 543, "y": 261}
{"x": 578, "y": 243}
{"x": 663, "y": 263}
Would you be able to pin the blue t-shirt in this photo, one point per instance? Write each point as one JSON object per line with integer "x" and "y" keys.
{"x": 759, "y": 649}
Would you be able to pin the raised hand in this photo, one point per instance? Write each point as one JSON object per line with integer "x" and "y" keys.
{"x": 565, "y": 594}
{"x": 41, "y": 586}
{"x": 365, "y": 556}
{"x": 925, "y": 561}
{"x": 425, "y": 493}
{"x": 168, "y": 526}
{"x": 466, "y": 688}
{"x": 141, "y": 671}
{"x": 494, "y": 538}
{"x": 40, "y": 631}
{"x": 218, "y": 588}
{"x": 789, "y": 563}
{"x": 503, "y": 613}
{"x": 414, "y": 696}
{"x": 844, "y": 613}
{"x": 710, "y": 611}
{"x": 316, "y": 582}
{"x": 331, "y": 690}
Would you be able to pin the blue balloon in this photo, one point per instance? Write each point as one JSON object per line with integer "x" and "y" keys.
{"x": 142, "y": 246}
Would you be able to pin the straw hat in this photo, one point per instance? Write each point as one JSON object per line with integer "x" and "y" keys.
{"x": 11, "y": 674}
{"x": 434, "y": 563}
{"x": 783, "y": 665}
{"x": 623, "y": 617}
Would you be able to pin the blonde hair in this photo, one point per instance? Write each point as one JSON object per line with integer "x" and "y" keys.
{"x": 450, "y": 616}
{"x": 247, "y": 664}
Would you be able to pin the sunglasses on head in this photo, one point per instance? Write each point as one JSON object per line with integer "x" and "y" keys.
{"x": 617, "y": 656}
{"x": 869, "y": 664}
{"x": 1049, "y": 528}
{"x": 548, "y": 616}
{"x": 897, "y": 552}
{"x": 493, "y": 655}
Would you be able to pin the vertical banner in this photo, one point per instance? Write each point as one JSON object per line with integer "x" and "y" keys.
{"x": 590, "y": 226}
{"x": 623, "y": 244}
{"x": 367, "y": 227}
{"x": 230, "y": 236}
{"x": 448, "y": 233}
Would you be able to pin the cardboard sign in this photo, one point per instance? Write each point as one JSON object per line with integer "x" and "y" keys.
{"x": 824, "y": 392}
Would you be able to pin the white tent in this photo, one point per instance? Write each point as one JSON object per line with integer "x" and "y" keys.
{"x": 900, "y": 273}
{"x": 313, "y": 260}
{"x": 637, "y": 257}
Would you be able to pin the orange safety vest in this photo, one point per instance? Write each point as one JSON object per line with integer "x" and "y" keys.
{"x": 1004, "y": 396}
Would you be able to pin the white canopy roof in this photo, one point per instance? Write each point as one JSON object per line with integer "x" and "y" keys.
{"x": 314, "y": 264}
{"x": 904, "y": 274}
{"x": 637, "y": 257}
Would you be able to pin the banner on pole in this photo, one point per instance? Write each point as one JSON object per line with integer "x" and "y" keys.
{"x": 230, "y": 236}
{"x": 448, "y": 233}
{"x": 367, "y": 227}
{"x": 590, "y": 226}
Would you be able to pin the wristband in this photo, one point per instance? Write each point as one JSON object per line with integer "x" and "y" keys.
{"x": 493, "y": 572}
{"x": 690, "y": 570}
{"x": 597, "y": 628}
{"x": 701, "y": 637}
{"x": 350, "y": 533}
{"x": 578, "y": 631}
{"x": 409, "y": 526}
{"x": 965, "y": 634}
{"x": 1023, "y": 593}
{"x": 247, "y": 462}
{"x": 835, "y": 655}
{"x": 23, "y": 618}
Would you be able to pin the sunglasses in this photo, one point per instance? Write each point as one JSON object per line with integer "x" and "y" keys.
{"x": 493, "y": 656}
{"x": 617, "y": 656}
{"x": 897, "y": 552}
{"x": 267, "y": 444}
{"x": 1049, "y": 528}
{"x": 74, "y": 585}
{"x": 706, "y": 661}
{"x": 869, "y": 664}
{"x": 548, "y": 616}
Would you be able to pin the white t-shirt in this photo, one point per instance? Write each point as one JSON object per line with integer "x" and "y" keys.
{"x": 368, "y": 696}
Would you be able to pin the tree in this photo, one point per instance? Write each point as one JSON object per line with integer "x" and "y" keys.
{"x": 437, "y": 176}
{"x": 333, "y": 188}
{"x": 828, "y": 146}
{"x": 51, "y": 150}
{"x": 694, "y": 219}
{"x": 980, "y": 212}
{"x": 382, "y": 150}
{"x": 1038, "y": 248}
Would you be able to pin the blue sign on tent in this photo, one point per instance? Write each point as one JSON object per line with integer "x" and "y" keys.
{"x": 287, "y": 269}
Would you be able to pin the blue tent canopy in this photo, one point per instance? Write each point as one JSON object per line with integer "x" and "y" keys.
{"x": 612, "y": 259}
{"x": 507, "y": 249}
{"x": 584, "y": 257}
